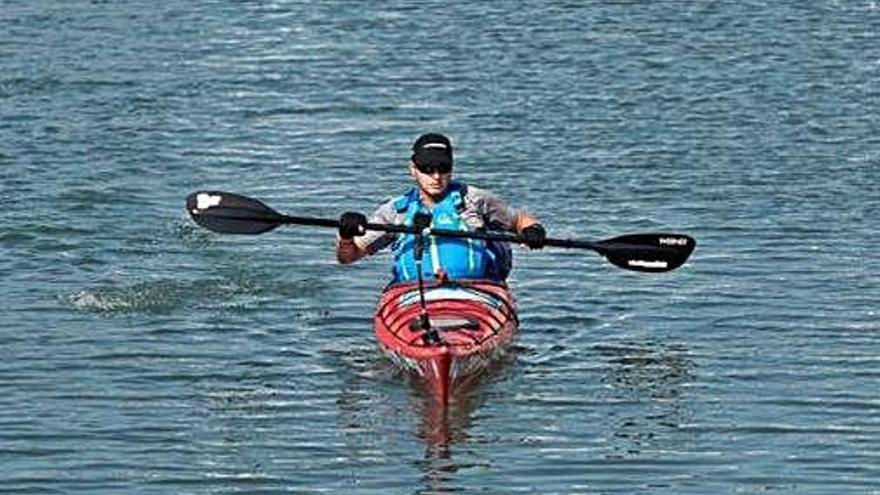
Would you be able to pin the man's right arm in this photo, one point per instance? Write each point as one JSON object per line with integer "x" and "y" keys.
{"x": 347, "y": 251}
{"x": 350, "y": 248}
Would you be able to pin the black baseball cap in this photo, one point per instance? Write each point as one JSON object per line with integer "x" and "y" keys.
{"x": 432, "y": 149}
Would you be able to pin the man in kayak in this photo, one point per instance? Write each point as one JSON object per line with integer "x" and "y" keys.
{"x": 450, "y": 205}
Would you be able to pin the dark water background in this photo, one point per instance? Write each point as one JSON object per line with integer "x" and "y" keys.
{"x": 141, "y": 354}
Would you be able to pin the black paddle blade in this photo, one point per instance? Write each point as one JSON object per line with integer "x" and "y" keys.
{"x": 648, "y": 252}
{"x": 230, "y": 213}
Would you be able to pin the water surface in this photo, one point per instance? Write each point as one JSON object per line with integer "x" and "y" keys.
{"x": 145, "y": 355}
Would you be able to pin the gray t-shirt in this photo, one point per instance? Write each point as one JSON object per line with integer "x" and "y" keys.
{"x": 482, "y": 210}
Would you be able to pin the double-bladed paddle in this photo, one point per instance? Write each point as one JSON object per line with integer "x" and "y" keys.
{"x": 230, "y": 213}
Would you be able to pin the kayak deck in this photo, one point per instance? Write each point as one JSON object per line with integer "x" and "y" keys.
{"x": 474, "y": 320}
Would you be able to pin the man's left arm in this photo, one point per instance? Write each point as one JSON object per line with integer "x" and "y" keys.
{"x": 520, "y": 221}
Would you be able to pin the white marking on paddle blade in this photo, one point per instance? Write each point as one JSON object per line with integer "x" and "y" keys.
{"x": 673, "y": 241}
{"x": 648, "y": 264}
{"x": 205, "y": 201}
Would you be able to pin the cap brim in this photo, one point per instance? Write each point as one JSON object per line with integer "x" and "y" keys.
{"x": 432, "y": 157}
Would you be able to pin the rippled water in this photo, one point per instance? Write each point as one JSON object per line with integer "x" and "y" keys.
{"x": 145, "y": 355}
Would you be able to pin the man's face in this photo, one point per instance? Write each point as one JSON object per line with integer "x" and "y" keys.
{"x": 433, "y": 184}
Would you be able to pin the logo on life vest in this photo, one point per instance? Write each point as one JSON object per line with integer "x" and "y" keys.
{"x": 445, "y": 218}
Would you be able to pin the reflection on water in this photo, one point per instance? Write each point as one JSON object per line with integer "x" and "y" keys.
{"x": 381, "y": 404}
{"x": 442, "y": 428}
{"x": 647, "y": 378}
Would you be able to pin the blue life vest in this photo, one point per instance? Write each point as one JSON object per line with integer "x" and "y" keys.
{"x": 458, "y": 258}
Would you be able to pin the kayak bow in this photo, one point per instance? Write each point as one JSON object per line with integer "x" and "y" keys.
{"x": 475, "y": 321}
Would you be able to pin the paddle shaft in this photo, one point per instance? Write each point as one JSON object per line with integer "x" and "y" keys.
{"x": 462, "y": 234}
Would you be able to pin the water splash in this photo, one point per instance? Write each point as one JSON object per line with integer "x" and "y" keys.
{"x": 240, "y": 291}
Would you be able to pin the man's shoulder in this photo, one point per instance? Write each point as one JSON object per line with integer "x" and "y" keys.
{"x": 388, "y": 202}
{"x": 391, "y": 209}
{"x": 476, "y": 194}
{"x": 387, "y": 207}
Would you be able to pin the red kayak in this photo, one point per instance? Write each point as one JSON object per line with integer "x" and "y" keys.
{"x": 474, "y": 323}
